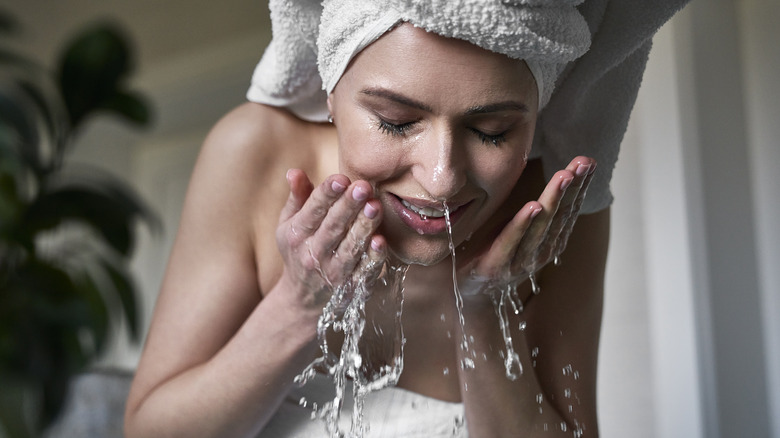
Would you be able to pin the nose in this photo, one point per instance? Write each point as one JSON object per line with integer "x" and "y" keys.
{"x": 440, "y": 164}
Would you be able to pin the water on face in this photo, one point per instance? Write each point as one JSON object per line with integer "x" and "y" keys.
{"x": 372, "y": 358}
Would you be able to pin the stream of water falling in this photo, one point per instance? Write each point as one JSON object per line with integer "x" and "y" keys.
{"x": 369, "y": 369}
{"x": 468, "y": 353}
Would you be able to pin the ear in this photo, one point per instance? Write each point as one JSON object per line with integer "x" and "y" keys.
{"x": 330, "y": 104}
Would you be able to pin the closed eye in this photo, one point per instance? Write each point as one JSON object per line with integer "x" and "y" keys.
{"x": 395, "y": 130}
{"x": 495, "y": 140}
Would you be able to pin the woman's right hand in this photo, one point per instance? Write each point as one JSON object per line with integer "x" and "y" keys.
{"x": 323, "y": 233}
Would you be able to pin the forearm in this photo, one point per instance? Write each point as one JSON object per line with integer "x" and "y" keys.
{"x": 557, "y": 347}
{"x": 237, "y": 391}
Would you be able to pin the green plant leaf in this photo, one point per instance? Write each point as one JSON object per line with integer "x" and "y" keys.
{"x": 125, "y": 290}
{"x": 130, "y": 106}
{"x": 92, "y": 69}
{"x": 8, "y": 24}
{"x": 112, "y": 218}
{"x": 98, "y": 310}
{"x": 32, "y": 112}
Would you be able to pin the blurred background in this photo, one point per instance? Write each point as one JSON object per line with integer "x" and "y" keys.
{"x": 691, "y": 334}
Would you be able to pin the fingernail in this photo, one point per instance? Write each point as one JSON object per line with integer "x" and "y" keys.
{"x": 370, "y": 211}
{"x": 359, "y": 194}
{"x": 582, "y": 169}
{"x": 337, "y": 186}
{"x": 566, "y": 183}
{"x": 535, "y": 211}
{"x": 375, "y": 245}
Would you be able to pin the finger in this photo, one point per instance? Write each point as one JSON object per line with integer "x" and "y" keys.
{"x": 316, "y": 207}
{"x": 505, "y": 246}
{"x": 358, "y": 238}
{"x": 300, "y": 189}
{"x": 370, "y": 266}
{"x": 342, "y": 214}
{"x": 550, "y": 199}
{"x": 563, "y": 236}
{"x": 581, "y": 168}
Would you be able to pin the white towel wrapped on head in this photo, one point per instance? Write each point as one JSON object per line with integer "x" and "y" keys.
{"x": 313, "y": 41}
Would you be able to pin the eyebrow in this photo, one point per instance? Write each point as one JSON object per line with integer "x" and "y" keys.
{"x": 509, "y": 105}
{"x": 395, "y": 97}
{"x": 384, "y": 93}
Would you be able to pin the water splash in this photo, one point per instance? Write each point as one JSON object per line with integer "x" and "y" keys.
{"x": 512, "y": 365}
{"x": 370, "y": 369}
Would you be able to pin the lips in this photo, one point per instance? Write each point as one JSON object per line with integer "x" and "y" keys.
{"x": 423, "y": 216}
{"x": 424, "y": 212}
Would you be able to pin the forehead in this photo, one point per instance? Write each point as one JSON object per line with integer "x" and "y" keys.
{"x": 412, "y": 59}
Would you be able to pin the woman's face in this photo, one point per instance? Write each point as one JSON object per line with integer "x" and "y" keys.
{"x": 430, "y": 121}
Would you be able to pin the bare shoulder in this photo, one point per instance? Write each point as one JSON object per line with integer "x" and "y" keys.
{"x": 258, "y": 139}
{"x": 224, "y": 241}
{"x": 248, "y": 153}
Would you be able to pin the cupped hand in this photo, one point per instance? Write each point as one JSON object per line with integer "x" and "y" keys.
{"x": 326, "y": 234}
{"x": 535, "y": 236}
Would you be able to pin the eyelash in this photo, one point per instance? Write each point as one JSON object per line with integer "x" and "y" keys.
{"x": 495, "y": 140}
{"x": 393, "y": 129}
{"x": 399, "y": 130}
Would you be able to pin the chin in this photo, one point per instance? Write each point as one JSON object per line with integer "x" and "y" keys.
{"x": 421, "y": 253}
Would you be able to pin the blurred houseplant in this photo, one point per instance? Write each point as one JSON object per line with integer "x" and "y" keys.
{"x": 65, "y": 236}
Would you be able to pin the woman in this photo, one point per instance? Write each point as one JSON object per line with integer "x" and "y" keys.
{"x": 281, "y": 209}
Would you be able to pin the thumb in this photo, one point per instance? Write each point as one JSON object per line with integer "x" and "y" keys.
{"x": 300, "y": 189}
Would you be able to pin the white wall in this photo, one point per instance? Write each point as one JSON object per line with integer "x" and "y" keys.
{"x": 759, "y": 20}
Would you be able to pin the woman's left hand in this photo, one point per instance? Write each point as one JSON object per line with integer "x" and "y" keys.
{"x": 535, "y": 236}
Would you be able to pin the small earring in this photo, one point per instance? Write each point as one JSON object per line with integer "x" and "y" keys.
{"x": 330, "y": 118}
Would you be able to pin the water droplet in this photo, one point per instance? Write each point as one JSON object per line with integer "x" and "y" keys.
{"x": 522, "y": 325}
{"x": 534, "y": 285}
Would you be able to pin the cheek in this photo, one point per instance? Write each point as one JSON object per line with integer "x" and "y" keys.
{"x": 498, "y": 174}
{"x": 365, "y": 153}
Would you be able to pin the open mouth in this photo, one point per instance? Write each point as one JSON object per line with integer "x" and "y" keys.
{"x": 425, "y": 219}
{"x": 424, "y": 212}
